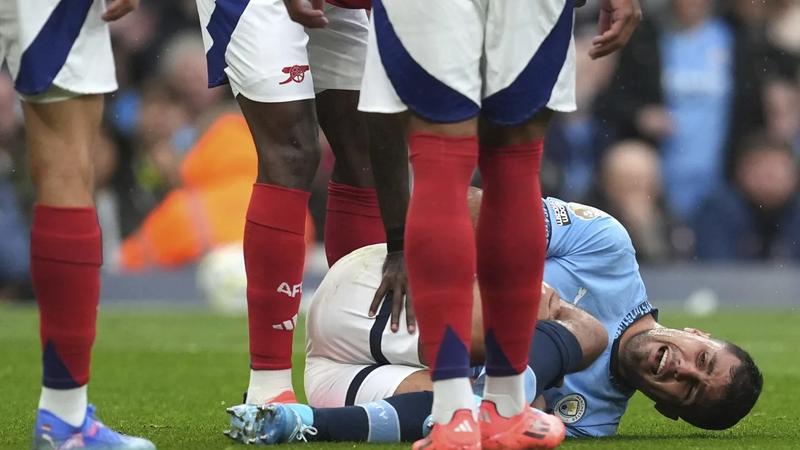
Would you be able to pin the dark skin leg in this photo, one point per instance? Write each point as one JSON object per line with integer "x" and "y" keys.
{"x": 287, "y": 141}
{"x": 346, "y": 130}
{"x": 493, "y": 135}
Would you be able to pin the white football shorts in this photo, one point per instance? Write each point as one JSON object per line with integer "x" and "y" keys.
{"x": 451, "y": 60}
{"x": 56, "y": 49}
{"x": 350, "y": 357}
{"x": 254, "y": 46}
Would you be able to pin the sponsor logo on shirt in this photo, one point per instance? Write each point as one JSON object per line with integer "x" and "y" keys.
{"x": 548, "y": 227}
{"x": 570, "y": 408}
{"x": 296, "y": 73}
{"x": 586, "y": 212}
{"x": 561, "y": 214}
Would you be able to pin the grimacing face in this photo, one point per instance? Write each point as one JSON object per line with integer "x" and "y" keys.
{"x": 678, "y": 368}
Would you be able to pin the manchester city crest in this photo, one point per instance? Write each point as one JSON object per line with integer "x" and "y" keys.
{"x": 570, "y": 408}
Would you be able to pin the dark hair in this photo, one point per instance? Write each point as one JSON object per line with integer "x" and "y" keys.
{"x": 739, "y": 398}
{"x": 759, "y": 141}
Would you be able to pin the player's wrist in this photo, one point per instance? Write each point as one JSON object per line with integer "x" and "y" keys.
{"x": 394, "y": 239}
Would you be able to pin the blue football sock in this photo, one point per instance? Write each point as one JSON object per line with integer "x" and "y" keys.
{"x": 395, "y": 419}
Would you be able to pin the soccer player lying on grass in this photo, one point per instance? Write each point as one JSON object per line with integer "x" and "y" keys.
{"x": 354, "y": 359}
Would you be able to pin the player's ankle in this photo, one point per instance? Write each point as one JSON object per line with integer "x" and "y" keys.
{"x": 68, "y": 405}
{"x": 450, "y": 396}
{"x": 507, "y": 393}
{"x": 266, "y": 385}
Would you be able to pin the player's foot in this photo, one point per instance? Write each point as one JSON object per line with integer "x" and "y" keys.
{"x": 52, "y": 433}
{"x": 530, "y": 429}
{"x": 461, "y": 433}
{"x": 274, "y": 423}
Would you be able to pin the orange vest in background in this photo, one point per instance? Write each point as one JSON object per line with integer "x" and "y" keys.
{"x": 209, "y": 209}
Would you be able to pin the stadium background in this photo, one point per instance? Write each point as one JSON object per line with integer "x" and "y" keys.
{"x": 690, "y": 136}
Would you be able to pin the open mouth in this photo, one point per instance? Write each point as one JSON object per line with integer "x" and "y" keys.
{"x": 662, "y": 356}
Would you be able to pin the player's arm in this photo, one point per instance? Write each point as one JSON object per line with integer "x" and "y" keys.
{"x": 119, "y": 8}
{"x": 588, "y": 331}
{"x": 617, "y": 22}
{"x": 388, "y": 154}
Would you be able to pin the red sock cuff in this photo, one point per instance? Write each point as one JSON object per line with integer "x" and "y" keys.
{"x": 65, "y": 221}
{"x": 353, "y": 200}
{"x": 536, "y": 146}
{"x": 66, "y": 234}
{"x": 278, "y": 207}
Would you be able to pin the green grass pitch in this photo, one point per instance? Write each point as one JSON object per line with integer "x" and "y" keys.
{"x": 168, "y": 375}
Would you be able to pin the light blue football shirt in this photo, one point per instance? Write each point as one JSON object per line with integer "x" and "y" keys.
{"x": 591, "y": 263}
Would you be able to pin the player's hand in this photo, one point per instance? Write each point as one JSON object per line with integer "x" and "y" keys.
{"x": 308, "y": 13}
{"x": 550, "y": 304}
{"x": 118, "y": 8}
{"x": 618, "y": 20}
{"x": 395, "y": 284}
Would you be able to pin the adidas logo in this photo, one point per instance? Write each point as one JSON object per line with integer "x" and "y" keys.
{"x": 463, "y": 427}
{"x": 287, "y": 325}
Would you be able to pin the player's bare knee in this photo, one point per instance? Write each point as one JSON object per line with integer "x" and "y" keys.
{"x": 495, "y": 135}
{"x": 287, "y": 141}
{"x": 289, "y": 165}
{"x": 464, "y": 128}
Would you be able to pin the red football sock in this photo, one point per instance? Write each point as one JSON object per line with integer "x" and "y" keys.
{"x": 66, "y": 254}
{"x": 440, "y": 250}
{"x": 353, "y": 220}
{"x": 274, "y": 255}
{"x": 511, "y": 251}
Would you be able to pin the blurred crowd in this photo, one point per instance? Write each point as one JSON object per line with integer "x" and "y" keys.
{"x": 690, "y": 136}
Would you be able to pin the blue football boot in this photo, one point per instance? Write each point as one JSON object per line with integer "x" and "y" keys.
{"x": 274, "y": 423}
{"x": 52, "y": 433}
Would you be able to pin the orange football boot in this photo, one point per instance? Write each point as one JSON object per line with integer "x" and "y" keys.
{"x": 284, "y": 397}
{"x": 530, "y": 429}
{"x": 461, "y": 433}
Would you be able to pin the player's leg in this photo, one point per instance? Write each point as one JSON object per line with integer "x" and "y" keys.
{"x": 336, "y": 54}
{"x": 443, "y": 94}
{"x": 66, "y": 254}
{"x": 353, "y": 218}
{"x": 351, "y": 402}
{"x": 511, "y": 249}
{"x": 360, "y": 403}
{"x": 65, "y": 246}
{"x": 285, "y": 135}
{"x": 522, "y": 77}
{"x": 57, "y": 54}
{"x": 258, "y": 49}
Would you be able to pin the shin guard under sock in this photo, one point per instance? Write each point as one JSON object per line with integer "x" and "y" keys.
{"x": 274, "y": 253}
{"x": 66, "y": 254}
{"x": 353, "y": 220}
{"x": 440, "y": 250}
{"x": 511, "y": 251}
